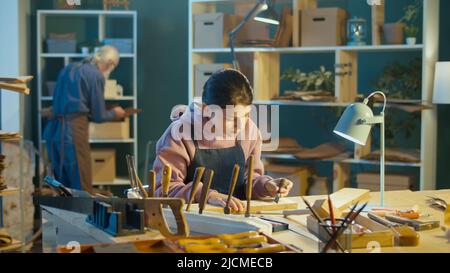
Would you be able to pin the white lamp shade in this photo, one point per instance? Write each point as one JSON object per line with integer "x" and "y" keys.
{"x": 353, "y": 126}
{"x": 441, "y": 93}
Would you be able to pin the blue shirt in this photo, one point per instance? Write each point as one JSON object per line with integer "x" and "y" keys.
{"x": 80, "y": 89}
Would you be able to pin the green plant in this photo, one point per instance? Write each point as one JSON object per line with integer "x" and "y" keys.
{"x": 319, "y": 80}
{"x": 411, "y": 31}
{"x": 411, "y": 13}
{"x": 401, "y": 81}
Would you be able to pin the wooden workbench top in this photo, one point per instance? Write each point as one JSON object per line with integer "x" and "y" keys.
{"x": 431, "y": 241}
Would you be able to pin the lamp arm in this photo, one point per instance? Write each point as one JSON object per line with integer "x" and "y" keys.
{"x": 366, "y": 100}
{"x": 232, "y": 34}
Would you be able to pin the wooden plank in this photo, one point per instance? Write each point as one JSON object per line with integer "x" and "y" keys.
{"x": 266, "y": 75}
{"x": 9, "y": 191}
{"x": 377, "y": 23}
{"x": 341, "y": 176}
{"x": 346, "y": 76}
{"x": 257, "y": 206}
{"x": 347, "y": 197}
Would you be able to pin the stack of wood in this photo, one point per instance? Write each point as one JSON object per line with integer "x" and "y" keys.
{"x": 9, "y": 136}
{"x": 2, "y": 179}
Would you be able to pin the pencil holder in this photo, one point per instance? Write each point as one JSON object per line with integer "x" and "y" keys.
{"x": 335, "y": 238}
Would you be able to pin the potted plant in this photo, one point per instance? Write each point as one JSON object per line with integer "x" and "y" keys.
{"x": 411, "y": 34}
{"x": 313, "y": 86}
{"x": 394, "y": 32}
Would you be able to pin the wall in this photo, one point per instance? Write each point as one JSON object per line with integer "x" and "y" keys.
{"x": 163, "y": 65}
{"x": 14, "y": 58}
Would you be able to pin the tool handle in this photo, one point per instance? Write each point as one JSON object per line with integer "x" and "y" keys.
{"x": 197, "y": 178}
{"x": 249, "y": 184}
{"x": 151, "y": 183}
{"x": 209, "y": 175}
{"x": 130, "y": 171}
{"x": 165, "y": 181}
{"x": 233, "y": 182}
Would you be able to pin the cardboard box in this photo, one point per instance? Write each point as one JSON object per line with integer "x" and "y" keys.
{"x": 211, "y": 29}
{"x": 110, "y": 130}
{"x": 202, "y": 74}
{"x": 297, "y": 174}
{"x": 103, "y": 165}
{"x": 112, "y": 90}
{"x": 323, "y": 27}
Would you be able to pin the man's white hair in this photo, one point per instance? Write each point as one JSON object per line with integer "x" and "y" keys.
{"x": 106, "y": 55}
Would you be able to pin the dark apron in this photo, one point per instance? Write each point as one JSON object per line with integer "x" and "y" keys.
{"x": 70, "y": 151}
{"x": 222, "y": 162}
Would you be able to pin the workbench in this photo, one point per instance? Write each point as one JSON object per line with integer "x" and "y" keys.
{"x": 431, "y": 241}
{"x": 61, "y": 227}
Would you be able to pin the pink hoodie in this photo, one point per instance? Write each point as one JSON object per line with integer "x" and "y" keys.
{"x": 178, "y": 153}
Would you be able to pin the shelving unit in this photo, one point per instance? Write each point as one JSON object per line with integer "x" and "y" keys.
{"x": 130, "y": 97}
{"x": 266, "y": 77}
{"x": 14, "y": 191}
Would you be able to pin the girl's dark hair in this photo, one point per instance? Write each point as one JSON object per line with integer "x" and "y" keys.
{"x": 227, "y": 87}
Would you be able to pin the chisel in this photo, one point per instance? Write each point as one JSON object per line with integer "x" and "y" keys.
{"x": 233, "y": 182}
{"x": 249, "y": 184}
{"x": 278, "y": 196}
{"x": 165, "y": 181}
{"x": 207, "y": 181}
{"x": 130, "y": 172}
{"x": 197, "y": 178}
{"x": 151, "y": 183}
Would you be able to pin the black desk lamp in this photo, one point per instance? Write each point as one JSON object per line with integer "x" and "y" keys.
{"x": 265, "y": 12}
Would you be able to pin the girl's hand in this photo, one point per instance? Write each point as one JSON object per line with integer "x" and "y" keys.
{"x": 280, "y": 185}
{"x": 220, "y": 200}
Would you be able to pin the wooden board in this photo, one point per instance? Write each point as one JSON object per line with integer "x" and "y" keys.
{"x": 257, "y": 206}
{"x": 346, "y": 197}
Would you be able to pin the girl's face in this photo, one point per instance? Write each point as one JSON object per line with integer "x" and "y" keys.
{"x": 234, "y": 118}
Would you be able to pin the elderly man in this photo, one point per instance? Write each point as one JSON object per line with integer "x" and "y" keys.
{"x": 79, "y": 98}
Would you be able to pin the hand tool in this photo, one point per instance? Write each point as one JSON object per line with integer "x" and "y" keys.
{"x": 330, "y": 208}
{"x": 197, "y": 178}
{"x": 137, "y": 179}
{"x": 417, "y": 225}
{"x": 351, "y": 216}
{"x": 130, "y": 172}
{"x": 249, "y": 185}
{"x": 405, "y": 236}
{"x": 238, "y": 236}
{"x": 321, "y": 222}
{"x": 210, "y": 241}
{"x": 246, "y": 241}
{"x": 278, "y": 196}
{"x": 165, "y": 181}
{"x": 207, "y": 181}
{"x": 286, "y": 213}
{"x": 438, "y": 203}
{"x": 233, "y": 182}
{"x": 208, "y": 249}
{"x": 277, "y": 226}
{"x": 410, "y": 214}
{"x": 151, "y": 183}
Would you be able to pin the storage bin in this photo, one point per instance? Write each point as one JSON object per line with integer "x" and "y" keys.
{"x": 323, "y": 27}
{"x": 122, "y": 45}
{"x": 211, "y": 29}
{"x": 103, "y": 162}
{"x": 61, "y": 46}
{"x": 110, "y": 130}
